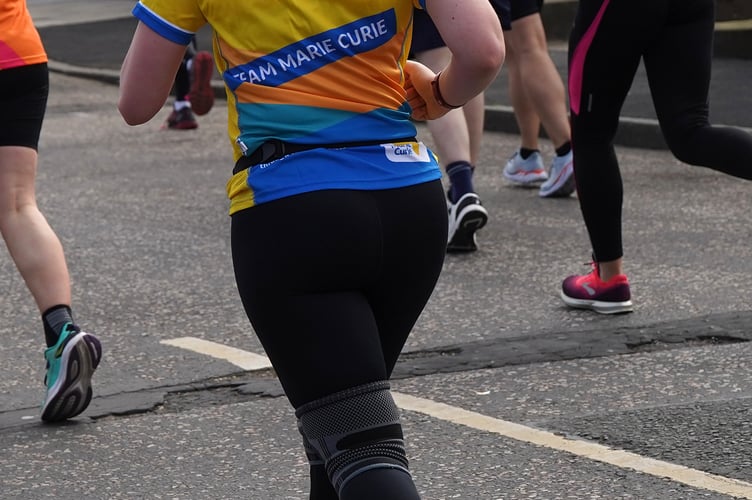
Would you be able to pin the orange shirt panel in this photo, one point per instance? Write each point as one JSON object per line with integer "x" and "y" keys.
{"x": 20, "y": 43}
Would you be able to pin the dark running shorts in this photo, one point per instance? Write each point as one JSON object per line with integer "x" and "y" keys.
{"x": 23, "y": 101}
{"x": 427, "y": 37}
{"x": 524, "y": 8}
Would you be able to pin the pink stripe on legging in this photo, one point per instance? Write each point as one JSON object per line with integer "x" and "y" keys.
{"x": 577, "y": 65}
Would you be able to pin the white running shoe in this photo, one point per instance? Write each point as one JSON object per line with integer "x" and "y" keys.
{"x": 465, "y": 218}
{"x": 525, "y": 171}
{"x": 560, "y": 181}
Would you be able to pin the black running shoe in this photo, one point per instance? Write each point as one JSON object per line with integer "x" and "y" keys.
{"x": 465, "y": 218}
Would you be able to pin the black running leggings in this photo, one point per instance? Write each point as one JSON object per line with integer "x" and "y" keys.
{"x": 182, "y": 85}
{"x": 674, "y": 38}
{"x": 333, "y": 281}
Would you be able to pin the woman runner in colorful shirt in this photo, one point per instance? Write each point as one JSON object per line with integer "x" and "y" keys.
{"x": 338, "y": 216}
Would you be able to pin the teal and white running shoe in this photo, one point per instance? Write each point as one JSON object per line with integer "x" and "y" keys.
{"x": 70, "y": 365}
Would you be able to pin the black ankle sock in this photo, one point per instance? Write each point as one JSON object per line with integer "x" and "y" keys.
{"x": 525, "y": 152}
{"x": 460, "y": 178}
{"x": 564, "y": 149}
{"x": 54, "y": 319}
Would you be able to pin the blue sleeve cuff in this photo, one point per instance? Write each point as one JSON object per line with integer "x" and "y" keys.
{"x": 162, "y": 27}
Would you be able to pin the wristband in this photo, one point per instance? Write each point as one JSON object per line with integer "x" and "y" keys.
{"x": 437, "y": 93}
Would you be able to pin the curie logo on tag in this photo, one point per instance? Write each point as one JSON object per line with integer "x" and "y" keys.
{"x": 407, "y": 152}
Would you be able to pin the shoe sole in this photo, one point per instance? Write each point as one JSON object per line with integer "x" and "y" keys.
{"x": 72, "y": 391}
{"x": 597, "y": 305}
{"x": 563, "y": 186}
{"x": 179, "y": 126}
{"x": 526, "y": 179}
{"x": 201, "y": 93}
{"x": 472, "y": 218}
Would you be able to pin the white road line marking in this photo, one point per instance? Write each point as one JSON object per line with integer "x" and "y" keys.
{"x": 586, "y": 449}
{"x": 238, "y": 357}
{"x": 734, "y": 25}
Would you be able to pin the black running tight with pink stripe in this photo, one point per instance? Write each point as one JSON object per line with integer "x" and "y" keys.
{"x": 674, "y": 38}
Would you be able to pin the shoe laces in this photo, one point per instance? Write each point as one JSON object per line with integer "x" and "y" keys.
{"x": 593, "y": 267}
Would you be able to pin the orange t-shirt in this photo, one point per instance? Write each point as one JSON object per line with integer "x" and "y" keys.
{"x": 19, "y": 40}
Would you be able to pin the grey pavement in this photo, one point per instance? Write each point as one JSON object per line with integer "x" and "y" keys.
{"x": 143, "y": 217}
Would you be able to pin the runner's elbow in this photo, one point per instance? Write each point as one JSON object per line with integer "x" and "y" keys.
{"x": 134, "y": 113}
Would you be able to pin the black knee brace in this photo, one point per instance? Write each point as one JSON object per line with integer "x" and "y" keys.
{"x": 313, "y": 456}
{"x": 354, "y": 431}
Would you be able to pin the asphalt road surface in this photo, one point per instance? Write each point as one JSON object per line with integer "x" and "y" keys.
{"x": 505, "y": 393}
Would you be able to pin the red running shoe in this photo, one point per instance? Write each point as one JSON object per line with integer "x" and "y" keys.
{"x": 591, "y": 292}
{"x": 181, "y": 120}
{"x": 201, "y": 94}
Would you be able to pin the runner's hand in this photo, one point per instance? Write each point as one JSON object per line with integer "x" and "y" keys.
{"x": 420, "y": 93}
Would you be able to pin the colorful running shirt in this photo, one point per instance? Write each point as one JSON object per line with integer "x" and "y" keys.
{"x": 19, "y": 40}
{"x": 293, "y": 71}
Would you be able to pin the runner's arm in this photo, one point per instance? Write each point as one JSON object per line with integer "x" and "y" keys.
{"x": 472, "y": 32}
{"x": 147, "y": 75}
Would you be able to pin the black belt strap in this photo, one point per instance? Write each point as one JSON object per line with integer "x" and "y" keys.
{"x": 274, "y": 149}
